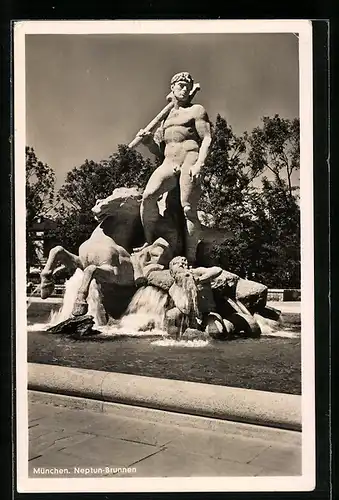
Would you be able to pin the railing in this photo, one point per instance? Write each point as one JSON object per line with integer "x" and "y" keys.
{"x": 283, "y": 295}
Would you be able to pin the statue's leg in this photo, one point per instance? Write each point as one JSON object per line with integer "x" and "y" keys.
{"x": 58, "y": 258}
{"x": 80, "y": 305}
{"x": 163, "y": 179}
{"x": 190, "y": 192}
{"x": 106, "y": 273}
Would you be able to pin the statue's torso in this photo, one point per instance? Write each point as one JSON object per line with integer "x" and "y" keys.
{"x": 179, "y": 134}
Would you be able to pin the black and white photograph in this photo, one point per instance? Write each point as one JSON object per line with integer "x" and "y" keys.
{"x": 164, "y": 276}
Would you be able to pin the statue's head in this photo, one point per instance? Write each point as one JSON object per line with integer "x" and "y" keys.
{"x": 123, "y": 201}
{"x": 181, "y": 86}
{"x": 178, "y": 264}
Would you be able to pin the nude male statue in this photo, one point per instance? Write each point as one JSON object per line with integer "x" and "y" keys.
{"x": 183, "y": 140}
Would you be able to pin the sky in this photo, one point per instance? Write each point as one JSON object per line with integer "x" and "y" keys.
{"x": 85, "y": 94}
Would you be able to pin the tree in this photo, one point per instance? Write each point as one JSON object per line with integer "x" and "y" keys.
{"x": 40, "y": 180}
{"x": 225, "y": 183}
{"x": 275, "y": 146}
{"x": 272, "y": 237}
{"x": 91, "y": 181}
{"x": 264, "y": 219}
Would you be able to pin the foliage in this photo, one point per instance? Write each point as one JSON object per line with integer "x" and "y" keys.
{"x": 40, "y": 180}
{"x": 91, "y": 181}
{"x": 266, "y": 246}
{"x": 224, "y": 179}
{"x": 263, "y": 214}
{"x": 39, "y": 186}
{"x": 264, "y": 218}
{"x": 275, "y": 147}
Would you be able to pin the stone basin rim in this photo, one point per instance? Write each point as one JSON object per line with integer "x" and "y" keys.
{"x": 206, "y": 400}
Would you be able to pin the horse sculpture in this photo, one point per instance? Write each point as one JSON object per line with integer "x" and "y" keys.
{"x": 106, "y": 255}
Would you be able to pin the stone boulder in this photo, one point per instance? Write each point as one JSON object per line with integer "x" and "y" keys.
{"x": 252, "y": 294}
{"x": 79, "y": 326}
{"x": 194, "y": 334}
{"x": 226, "y": 282}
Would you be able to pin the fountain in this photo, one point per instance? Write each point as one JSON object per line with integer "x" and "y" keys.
{"x": 169, "y": 283}
{"x": 152, "y": 290}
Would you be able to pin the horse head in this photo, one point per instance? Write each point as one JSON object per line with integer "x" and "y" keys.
{"x": 121, "y": 203}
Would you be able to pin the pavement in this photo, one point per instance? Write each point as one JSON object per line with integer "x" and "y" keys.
{"x": 77, "y": 437}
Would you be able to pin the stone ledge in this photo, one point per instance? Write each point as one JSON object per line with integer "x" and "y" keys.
{"x": 228, "y": 403}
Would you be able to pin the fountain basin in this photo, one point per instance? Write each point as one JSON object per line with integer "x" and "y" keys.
{"x": 239, "y": 405}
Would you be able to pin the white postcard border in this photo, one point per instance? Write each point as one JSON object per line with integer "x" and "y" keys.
{"x": 305, "y": 482}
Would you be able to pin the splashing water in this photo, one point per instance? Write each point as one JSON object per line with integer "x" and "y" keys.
{"x": 72, "y": 286}
{"x": 145, "y": 314}
{"x": 181, "y": 343}
{"x": 148, "y": 303}
{"x": 35, "y": 291}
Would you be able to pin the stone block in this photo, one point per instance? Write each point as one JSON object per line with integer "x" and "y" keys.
{"x": 133, "y": 430}
{"x": 217, "y": 445}
{"x": 55, "y": 440}
{"x": 112, "y": 451}
{"x": 252, "y": 294}
{"x": 169, "y": 463}
{"x": 280, "y": 457}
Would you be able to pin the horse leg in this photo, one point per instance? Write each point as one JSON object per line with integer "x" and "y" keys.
{"x": 80, "y": 305}
{"x": 105, "y": 273}
{"x": 57, "y": 257}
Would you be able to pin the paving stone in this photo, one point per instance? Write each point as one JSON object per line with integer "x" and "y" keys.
{"x": 286, "y": 459}
{"x": 185, "y": 439}
{"x": 74, "y": 419}
{"x": 37, "y": 429}
{"x": 134, "y": 430}
{"x": 37, "y": 411}
{"x": 235, "y": 448}
{"x": 61, "y": 401}
{"x": 68, "y": 438}
{"x": 112, "y": 451}
{"x": 116, "y": 410}
{"x": 168, "y": 463}
{"x": 55, "y": 441}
